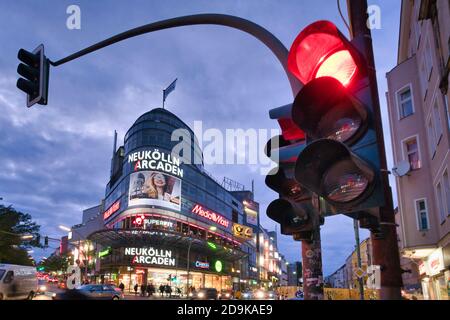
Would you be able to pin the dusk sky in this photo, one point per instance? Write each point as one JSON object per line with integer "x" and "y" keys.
{"x": 55, "y": 159}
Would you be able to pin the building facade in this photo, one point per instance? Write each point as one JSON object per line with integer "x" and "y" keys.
{"x": 165, "y": 220}
{"x": 346, "y": 277}
{"x": 420, "y": 131}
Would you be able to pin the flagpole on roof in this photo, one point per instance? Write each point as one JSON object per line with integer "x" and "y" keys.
{"x": 164, "y": 97}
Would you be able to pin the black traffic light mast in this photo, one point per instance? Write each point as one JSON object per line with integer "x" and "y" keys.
{"x": 385, "y": 244}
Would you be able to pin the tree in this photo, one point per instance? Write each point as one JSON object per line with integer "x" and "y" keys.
{"x": 13, "y": 226}
{"x": 55, "y": 263}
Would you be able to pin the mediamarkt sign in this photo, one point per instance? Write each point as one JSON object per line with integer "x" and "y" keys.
{"x": 210, "y": 215}
{"x": 156, "y": 160}
{"x": 151, "y": 256}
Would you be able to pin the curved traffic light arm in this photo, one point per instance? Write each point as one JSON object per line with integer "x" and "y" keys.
{"x": 273, "y": 43}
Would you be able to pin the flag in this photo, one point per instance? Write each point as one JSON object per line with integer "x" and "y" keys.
{"x": 169, "y": 89}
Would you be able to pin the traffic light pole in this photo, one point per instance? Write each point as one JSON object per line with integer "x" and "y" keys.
{"x": 384, "y": 243}
{"x": 312, "y": 268}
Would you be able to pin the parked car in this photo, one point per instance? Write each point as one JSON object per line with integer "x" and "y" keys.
{"x": 91, "y": 291}
{"x": 17, "y": 282}
{"x": 207, "y": 294}
{"x": 272, "y": 295}
{"x": 62, "y": 284}
{"x": 247, "y": 295}
{"x": 42, "y": 287}
{"x": 226, "y": 295}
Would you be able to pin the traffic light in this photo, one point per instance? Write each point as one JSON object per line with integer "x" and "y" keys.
{"x": 294, "y": 210}
{"x": 34, "y": 69}
{"x": 38, "y": 240}
{"x": 46, "y": 241}
{"x": 341, "y": 162}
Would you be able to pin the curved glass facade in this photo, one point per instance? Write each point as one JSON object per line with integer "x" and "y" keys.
{"x": 155, "y": 197}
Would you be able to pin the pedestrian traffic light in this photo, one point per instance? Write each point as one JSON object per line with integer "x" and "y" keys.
{"x": 294, "y": 210}
{"x": 46, "y": 241}
{"x": 34, "y": 69}
{"x": 340, "y": 162}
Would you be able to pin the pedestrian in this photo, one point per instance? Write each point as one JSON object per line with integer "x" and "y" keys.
{"x": 121, "y": 286}
{"x": 149, "y": 290}
{"x": 135, "y": 288}
{"x": 168, "y": 290}
{"x": 161, "y": 289}
{"x": 143, "y": 289}
{"x": 152, "y": 289}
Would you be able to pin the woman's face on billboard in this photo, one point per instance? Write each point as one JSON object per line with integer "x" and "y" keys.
{"x": 159, "y": 180}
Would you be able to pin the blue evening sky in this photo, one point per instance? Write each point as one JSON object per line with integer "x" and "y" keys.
{"x": 55, "y": 159}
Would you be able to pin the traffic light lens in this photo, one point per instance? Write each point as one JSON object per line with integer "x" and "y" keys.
{"x": 342, "y": 129}
{"x": 344, "y": 182}
{"x": 340, "y": 65}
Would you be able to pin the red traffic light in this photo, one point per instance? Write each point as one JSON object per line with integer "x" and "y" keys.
{"x": 321, "y": 50}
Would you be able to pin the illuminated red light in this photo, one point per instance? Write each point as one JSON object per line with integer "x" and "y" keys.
{"x": 320, "y": 50}
{"x": 339, "y": 65}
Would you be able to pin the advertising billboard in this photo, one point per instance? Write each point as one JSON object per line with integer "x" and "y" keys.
{"x": 251, "y": 209}
{"x": 156, "y": 189}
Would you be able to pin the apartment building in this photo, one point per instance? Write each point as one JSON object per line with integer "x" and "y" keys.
{"x": 418, "y": 106}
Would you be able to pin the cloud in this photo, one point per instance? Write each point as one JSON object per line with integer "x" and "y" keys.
{"x": 55, "y": 159}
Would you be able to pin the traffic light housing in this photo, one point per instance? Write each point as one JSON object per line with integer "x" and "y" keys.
{"x": 294, "y": 210}
{"x": 37, "y": 240}
{"x": 341, "y": 161}
{"x": 34, "y": 68}
{"x": 46, "y": 241}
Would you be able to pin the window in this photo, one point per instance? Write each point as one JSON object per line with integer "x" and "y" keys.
{"x": 440, "y": 202}
{"x": 422, "y": 214}
{"x": 437, "y": 122}
{"x": 412, "y": 153}
{"x": 446, "y": 182}
{"x": 431, "y": 137}
{"x": 405, "y": 103}
{"x": 423, "y": 78}
{"x": 428, "y": 59}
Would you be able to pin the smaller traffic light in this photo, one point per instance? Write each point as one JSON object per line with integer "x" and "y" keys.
{"x": 294, "y": 210}
{"x": 38, "y": 240}
{"x": 34, "y": 69}
{"x": 46, "y": 241}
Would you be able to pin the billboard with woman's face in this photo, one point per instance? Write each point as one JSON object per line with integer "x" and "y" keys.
{"x": 156, "y": 189}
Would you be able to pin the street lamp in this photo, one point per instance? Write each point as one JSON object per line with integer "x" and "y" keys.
{"x": 64, "y": 228}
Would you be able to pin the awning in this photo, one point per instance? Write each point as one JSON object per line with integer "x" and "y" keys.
{"x": 117, "y": 238}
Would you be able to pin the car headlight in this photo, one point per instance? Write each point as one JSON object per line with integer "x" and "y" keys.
{"x": 227, "y": 295}
{"x": 201, "y": 295}
{"x": 190, "y": 294}
{"x": 271, "y": 295}
{"x": 260, "y": 294}
{"x": 42, "y": 288}
{"x": 245, "y": 295}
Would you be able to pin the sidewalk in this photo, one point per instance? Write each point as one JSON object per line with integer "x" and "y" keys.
{"x": 132, "y": 296}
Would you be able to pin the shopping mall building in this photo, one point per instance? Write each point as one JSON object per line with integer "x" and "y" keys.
{"x": 165, "y": 220}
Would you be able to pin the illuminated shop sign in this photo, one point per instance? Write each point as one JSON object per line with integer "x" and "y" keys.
{"x": 155, "y": 160}
{"x": 202, "y": 265}
{"x": 210, "y": 215}
{"x": 242, "y": 231}
{"x": 147, "y": 222}
{"x": 113, "y": 208}
{"x": 151, "y": 255}
{"x": 105, "y": 252}
{"x": 218, "y": 266}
